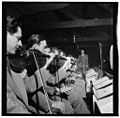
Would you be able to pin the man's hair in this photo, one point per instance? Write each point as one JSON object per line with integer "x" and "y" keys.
{"x": 64, "y": 54}
{"x": 12, "y": 24}
{"x": 34, "y": 39}
{"x": 54, "y": 48}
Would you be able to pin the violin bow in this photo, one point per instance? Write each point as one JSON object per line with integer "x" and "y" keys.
{"x": 42, "y": 82}
{"x": 57, "y": 79}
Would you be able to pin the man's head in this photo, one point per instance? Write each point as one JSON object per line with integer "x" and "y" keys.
{"x": 14, "y": 33}
{"x": 55, "y": 50}
{"x": 82, "y": 52}
{"x": 47, "y": 50}
{"x": 61, "y": 53}
{"x": 37, "y": 41}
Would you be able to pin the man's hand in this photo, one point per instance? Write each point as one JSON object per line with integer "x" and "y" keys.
{"x": 59, "y": 105}
{"x": 68, "y": 90}
{"x": 52, "y": 55}
{"x": 24, "y": 73}
{"x": 64, "y": 89}
{"x": 77, "y": 75}
{"x": 71, "y": 78}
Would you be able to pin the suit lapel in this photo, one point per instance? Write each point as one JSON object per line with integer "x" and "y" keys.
{"x": 18, "y": 86}
{"x": 12, "y": 85}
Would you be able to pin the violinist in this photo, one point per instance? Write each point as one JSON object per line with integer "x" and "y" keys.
{"x": 53, "y": 81}
{"x": 62, "y": 61}
{"x": 17, "y": 100}
{"x": 75, "y": 91}
{"x": 33, "y": 83}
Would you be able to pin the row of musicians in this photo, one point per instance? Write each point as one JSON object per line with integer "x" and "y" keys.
{"x": 25, "y": 92}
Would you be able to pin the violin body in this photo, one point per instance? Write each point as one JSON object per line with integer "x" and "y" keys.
{"x": 56, "y": 64}
{"x": 18, "y": 63}
{"x": 31, "y": 66}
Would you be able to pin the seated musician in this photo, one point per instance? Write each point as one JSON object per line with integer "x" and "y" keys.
{"x": 17, "y": 100}
{"x": 33, "y": 83}
{"x": 75, "y": 91}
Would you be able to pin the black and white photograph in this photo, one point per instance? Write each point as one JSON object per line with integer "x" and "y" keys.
{"x": 59, "y": 59}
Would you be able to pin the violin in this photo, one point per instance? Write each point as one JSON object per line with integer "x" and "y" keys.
{"x": 56, "y": 64}
{"x": 31, "y": 65}
{"x": 32, "y": 62}
{"x": 20, "y": 61}
{"x": 17, "y": 63}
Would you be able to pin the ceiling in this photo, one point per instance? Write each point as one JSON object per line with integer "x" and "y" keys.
{"x": 86, "y": 18}
{"x": 32, "y": 12}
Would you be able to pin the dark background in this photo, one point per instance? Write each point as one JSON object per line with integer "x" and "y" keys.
{"x": 91, "y": 23}
{"x": 60, "y": 22}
